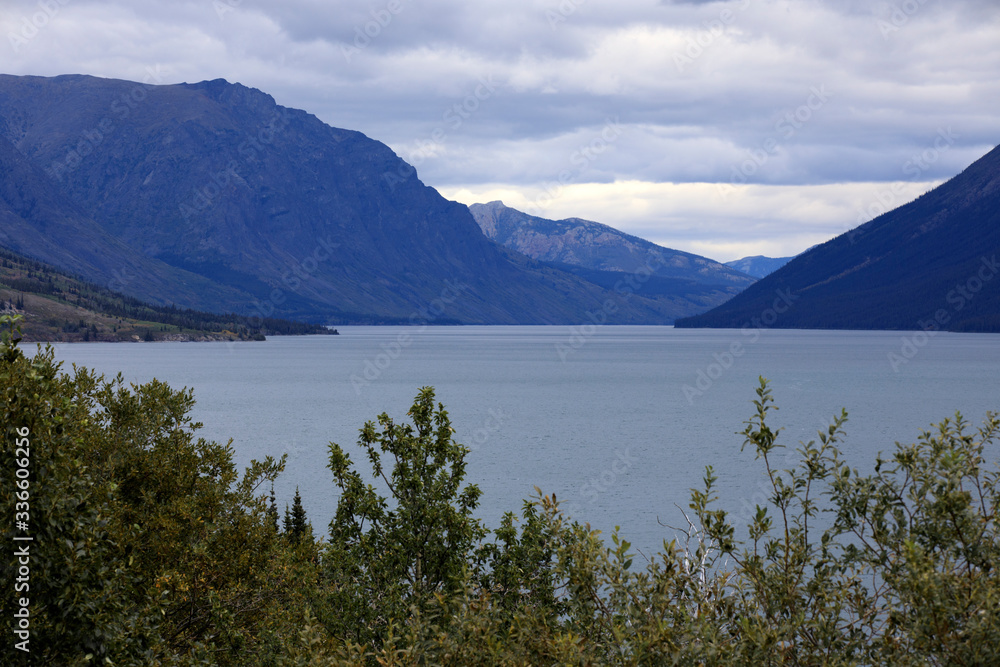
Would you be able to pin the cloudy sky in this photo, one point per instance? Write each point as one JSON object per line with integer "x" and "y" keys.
{"x": 726, "y": 129}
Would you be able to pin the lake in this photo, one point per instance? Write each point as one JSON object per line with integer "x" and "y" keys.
{"x": 619, "y": 422}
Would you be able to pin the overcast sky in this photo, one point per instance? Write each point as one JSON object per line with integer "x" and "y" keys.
{"x": 722, "y": 128}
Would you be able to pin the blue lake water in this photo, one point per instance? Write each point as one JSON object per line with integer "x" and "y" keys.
{"x": 619, "y": 422}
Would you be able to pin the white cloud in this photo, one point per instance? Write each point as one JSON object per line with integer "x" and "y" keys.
{"x": 720, "y": 222}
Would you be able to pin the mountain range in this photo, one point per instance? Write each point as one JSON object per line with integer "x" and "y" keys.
{"x": 683, "y": 282}
{"x": 758, "y": 266}
{"x": 212, "y": 196}
{"x": 928, "y": 265}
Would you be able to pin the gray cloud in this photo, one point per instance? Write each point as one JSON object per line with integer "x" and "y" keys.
{"x": 700, "y": 89}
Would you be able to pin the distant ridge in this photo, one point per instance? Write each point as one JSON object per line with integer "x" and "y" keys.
{"x": 606, "y": 256}
{"x": 930, "y": 264}
{"x": 758, "y": 266}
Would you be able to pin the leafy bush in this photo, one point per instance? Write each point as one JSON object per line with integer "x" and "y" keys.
{"x": 147, "y": 547}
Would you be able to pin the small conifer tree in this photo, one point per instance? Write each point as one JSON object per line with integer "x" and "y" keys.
{"x": 296, "y": 524}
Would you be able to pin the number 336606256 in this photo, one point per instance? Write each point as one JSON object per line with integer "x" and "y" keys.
{"x": 23, "y": 450}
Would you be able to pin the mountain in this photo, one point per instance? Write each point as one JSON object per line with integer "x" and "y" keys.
{"x": 608, "y": 257}
{"x": 37, "y": 219}
{"x": 758, "y": 266}
{"x": 930, "y": 264}
{"x": 212, "y": 196}
{"x": 593, "y": 245}
{"x": 55, "y": 306}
